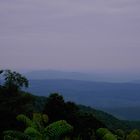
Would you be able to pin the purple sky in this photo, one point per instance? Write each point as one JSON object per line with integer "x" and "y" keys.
{"x": 74, "y": 35}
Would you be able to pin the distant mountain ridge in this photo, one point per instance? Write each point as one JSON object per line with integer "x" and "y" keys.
{"x": 136, "y": 81}
{"x": 56, "y": 74}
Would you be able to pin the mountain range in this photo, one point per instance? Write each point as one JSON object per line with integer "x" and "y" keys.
{"x": 85, "y": 76}
{"x": 119, "y": 99}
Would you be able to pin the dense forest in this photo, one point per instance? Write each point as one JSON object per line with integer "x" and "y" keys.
{"x": 24, "y": 116}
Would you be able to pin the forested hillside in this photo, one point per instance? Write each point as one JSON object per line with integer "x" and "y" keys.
{"x": 123, "y": 97}
{"x": 28, "y": 117}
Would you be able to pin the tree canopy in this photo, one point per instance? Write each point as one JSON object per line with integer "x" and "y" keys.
{"x": 14, "y": 81}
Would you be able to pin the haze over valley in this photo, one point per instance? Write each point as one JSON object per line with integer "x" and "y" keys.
{"x": 118, "y": 98}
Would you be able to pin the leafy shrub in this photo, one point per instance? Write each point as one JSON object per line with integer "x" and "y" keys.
{"x": 101, "y": 132}
{"x": 109, "y": 136}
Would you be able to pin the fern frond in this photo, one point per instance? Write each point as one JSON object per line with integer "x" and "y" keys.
{"x": 37, "y": 117}
{"x": 45, "y": 118}
{"x": 16, "y": 135}
{"x": 110, "y": 136}
{"x": 24, "y": 119}
{"x": 32, "y": 132}
{"x": 58, "y": 128}
{"x": 8, "y": 138}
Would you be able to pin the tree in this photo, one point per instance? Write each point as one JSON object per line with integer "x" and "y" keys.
{"x": 109, "y": 136}
{"x": 83, "y": 123}
{"x": 55, "y": 107}
{"x": 134, "y": 135}
{"x": 101, "y": 132}
{"x": 1, "y": 71}
{"x": 105, "y": 134}
{"x": 14, "y": 81}
{"x": 13, "y": 101}
{"x": 120, "y": 133}
{"x": 34, "y": 128}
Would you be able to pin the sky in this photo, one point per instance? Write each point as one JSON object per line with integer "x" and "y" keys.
{"x": 73, "y": 35}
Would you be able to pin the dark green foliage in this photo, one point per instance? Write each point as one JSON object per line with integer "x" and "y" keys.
{"x": 1, "y": 71}
{"x": 15, "y": 135}
{"x": 21, "y": 103}
{"x": 13, "y": 101}
{"x": 14, "y": 81}
{"x": 24, "y": 119}
{"x": 134, "y": 135}
{"x": 110, "y": 121}
{"x": 38, "y": 120}
{"x": 135, "y": 132}
{"x": 105, "y": 134}
{"x": 131, "y": 125}
{"x": 57, "y": 129}
{"x": 120, "y": 133}
{"x": 55, "y": 107}
{"x": 85, "y": 120}
{"x": 39, "y": 103}
{"x": 32, "y": 133}
{"x": 101, "y": 132}
{"x": 10, "y": 107}
{"x": 109, "y": 136}
{"x": 36, "y": 128}
{"x": 84, "y": 123}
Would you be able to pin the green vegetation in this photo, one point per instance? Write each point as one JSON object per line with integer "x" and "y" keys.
{"x": 105, "y": 134}
{"x": 110, "y": 121}
{"x": 134, "y": 135}
{"x": 14, "y": 81}
{"x": 36, "y": 129}
{"x": 28, "y": 117}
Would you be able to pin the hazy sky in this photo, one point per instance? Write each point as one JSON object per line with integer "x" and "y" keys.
{"x": 74, "y": 35}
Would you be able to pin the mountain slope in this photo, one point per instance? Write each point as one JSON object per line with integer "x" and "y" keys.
{"x": 109, "y": 120}
{"x": 119, "y": 99}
